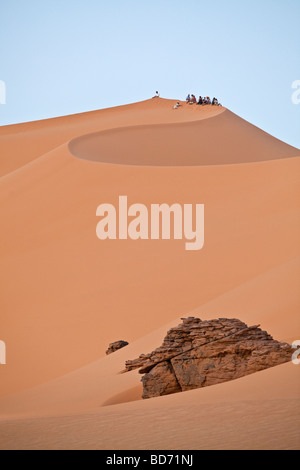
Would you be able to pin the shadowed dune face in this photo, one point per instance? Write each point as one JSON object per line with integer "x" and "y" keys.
{"x": 201, "y": 142}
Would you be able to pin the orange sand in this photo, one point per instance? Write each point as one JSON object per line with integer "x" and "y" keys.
{"x": 66, "y": 295}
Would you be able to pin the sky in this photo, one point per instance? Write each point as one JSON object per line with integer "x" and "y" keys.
{"x": 60, "y": 57}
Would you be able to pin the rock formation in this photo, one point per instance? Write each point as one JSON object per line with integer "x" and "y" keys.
{"x": 113, "y": 347}
{"x": 200, "y": 353}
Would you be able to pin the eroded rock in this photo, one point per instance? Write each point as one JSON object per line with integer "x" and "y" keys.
{"x": 202, "y": 353}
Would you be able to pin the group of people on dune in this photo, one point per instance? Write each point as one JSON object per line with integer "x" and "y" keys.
{"x": 191, "y": 99}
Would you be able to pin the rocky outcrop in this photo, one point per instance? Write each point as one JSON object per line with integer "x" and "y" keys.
{"x": 113, "y": 347}
{"x": 202, "y": 353}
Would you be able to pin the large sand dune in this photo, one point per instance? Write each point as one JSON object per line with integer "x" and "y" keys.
{"x": 65, "y": 294}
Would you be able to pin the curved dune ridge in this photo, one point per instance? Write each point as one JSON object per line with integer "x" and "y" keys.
{"x": 66, "y": 295}
{"x": 185, "y": 144}
{"x": 23, "y": 143}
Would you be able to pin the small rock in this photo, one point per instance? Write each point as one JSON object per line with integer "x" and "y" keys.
{"x": 113, "y": 347}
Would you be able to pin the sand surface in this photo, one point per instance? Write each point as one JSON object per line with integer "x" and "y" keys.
{"x": 65, "y": 295}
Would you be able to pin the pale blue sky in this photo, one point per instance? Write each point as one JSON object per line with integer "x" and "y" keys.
{"x": 60, "y": 57}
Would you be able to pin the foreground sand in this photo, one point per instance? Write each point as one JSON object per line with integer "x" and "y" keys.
{"x": 251, "y": 413}
{"x": 66, "y": 295}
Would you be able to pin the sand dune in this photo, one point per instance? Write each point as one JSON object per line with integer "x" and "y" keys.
{"x": 66, "y": 295}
